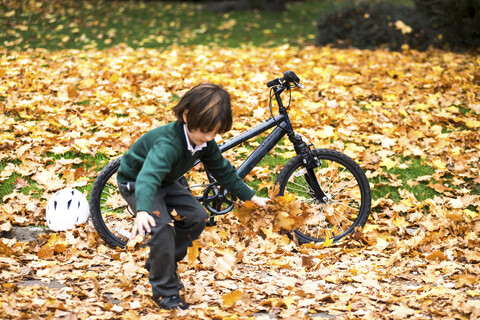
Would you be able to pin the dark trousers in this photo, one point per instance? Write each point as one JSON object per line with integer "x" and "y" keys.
{"x": 170, "y": 238}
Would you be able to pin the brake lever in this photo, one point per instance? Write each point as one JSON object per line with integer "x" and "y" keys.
{"x": 298, "y": 85}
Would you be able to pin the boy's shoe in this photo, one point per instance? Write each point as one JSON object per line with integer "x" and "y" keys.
{"x": 172, "y": 302}
{"x": 180, "y": 285}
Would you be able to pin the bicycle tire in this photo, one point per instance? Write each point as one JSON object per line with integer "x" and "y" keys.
{"x": 346, "y": 187}
{"x": 110, "y": 214}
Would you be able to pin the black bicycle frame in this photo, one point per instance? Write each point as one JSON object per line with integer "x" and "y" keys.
{"x": 265, "y": 146}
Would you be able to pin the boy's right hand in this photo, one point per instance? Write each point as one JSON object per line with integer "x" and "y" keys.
{"x": 260, "y": 201}
{"x": 142, "y": 223}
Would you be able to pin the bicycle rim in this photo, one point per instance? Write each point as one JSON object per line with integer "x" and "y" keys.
{"x": 347, "y": 190}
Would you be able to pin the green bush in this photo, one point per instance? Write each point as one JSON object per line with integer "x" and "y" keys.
{"x": 370, "y": 25}
{"x": 449, "y": 24}
{"x": 456, "y": 22}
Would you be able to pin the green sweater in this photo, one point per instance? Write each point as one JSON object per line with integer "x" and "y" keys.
{"x": 161, "y": 156}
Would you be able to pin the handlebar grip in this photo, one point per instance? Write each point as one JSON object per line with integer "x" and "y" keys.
{"x": 273, "y": 83}
{"x": 288, "y": 76}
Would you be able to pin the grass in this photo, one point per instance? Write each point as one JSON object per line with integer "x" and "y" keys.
{"x": 71, "y": 24}
{"x": 416, "y": 168}
{"x": 10, "y": 184}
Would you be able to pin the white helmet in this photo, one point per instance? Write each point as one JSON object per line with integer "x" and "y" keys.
{"x": 66, "y": 208}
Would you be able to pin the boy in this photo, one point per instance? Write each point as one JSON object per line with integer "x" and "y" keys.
{"x": 147, "y": 179}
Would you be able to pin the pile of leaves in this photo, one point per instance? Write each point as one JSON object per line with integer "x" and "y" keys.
{"x": 64, "y": 113}
{"x": 283, "y": 215}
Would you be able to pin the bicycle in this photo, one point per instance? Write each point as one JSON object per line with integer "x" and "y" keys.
{"x": 327, "y": 180}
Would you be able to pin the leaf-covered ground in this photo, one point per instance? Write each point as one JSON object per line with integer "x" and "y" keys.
{"x": 418, "y": 257}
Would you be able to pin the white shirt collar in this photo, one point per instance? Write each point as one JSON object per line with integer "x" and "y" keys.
{"x": 189, "y": 145}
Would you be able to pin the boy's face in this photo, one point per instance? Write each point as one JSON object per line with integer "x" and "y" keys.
{"x": 198, "y": 137}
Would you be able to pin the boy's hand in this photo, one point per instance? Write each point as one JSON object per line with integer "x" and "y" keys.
{"x": 261, "y": 202}
{"x": 142, "y": 222}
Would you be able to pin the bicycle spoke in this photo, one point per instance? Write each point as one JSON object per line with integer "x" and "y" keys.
{"x": 336, "y": 214}
{"x": 104, "y": 211}
{"x": 351, "y": 184}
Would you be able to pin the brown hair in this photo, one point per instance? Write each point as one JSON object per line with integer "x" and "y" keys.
{"x": 208, "y": 107}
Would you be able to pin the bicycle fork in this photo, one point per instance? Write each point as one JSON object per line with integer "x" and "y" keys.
{"x": 310, "y": 162}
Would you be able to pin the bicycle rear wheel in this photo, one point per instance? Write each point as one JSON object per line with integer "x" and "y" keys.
{"x": 111, "y": 216}
{"x": 110, "y": 212}
{"x": 346, "y": 187}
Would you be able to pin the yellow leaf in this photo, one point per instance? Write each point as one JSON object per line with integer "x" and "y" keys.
{"x": 82, "y": 145}
{"x": 328, "y": 241}
{"x": 403, "y": 112}
{"x": 470, "y": 213}
{"x": 45, "y": 252}
{"x": 354, "y": 271}
{"x": 62, "y": 94}
{"x": 331, "y": 278}
{"x": 284, "y": 221}
{"x": 150, "y": 109}
{"x": 227, "y": 24}
{"x": 288, "y": 301}
{"x": 244, "y": 211}
{"x": 421, "y": 107}
{"x": 268, "y": 232}
{"x": 456, "y": 203}
{"x": 231, "y": 298}
{"x": 400, "y": 222}
{"x": 472, "y": 293}
{"x": 473, "y": 124}
{"x": 376, "y": 104}
{"x": 327, "y": 131}
{"x": 225, "y": 265}
{"x": 88, "y": 82}
{"x": 390, "y": 97}
{"x": 49, "y": 179}
{"x": 266, "y": 184}
{"x": 435, "y": 291}
{"x": 176, "y": 216}
{"x": 6, "y": 226}
{"x": 381, "y": 244}
{"x": 387, "y": 163}
{"x": 400, "y": 25}
{"x": 370, "y": 227}
{"x": 439, "y": 164}
{"x": 114, "y": 77}
{"x": 193, "y": 252}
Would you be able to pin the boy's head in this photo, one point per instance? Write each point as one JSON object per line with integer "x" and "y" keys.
{"x": 205, "y": 107}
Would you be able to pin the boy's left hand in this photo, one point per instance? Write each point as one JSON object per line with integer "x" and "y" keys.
{"x": 260, "y": 201}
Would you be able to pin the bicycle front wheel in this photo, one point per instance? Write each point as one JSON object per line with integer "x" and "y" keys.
{"x": 110, "y": 212}
{"x": 347, "y": 191}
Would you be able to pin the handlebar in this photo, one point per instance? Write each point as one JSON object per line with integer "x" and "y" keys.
{"x": 289, "y": 77}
